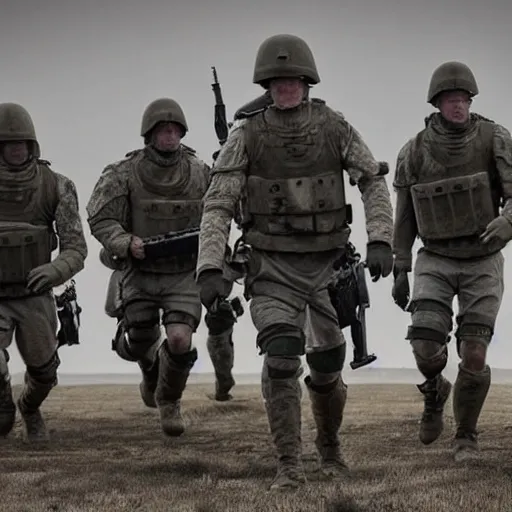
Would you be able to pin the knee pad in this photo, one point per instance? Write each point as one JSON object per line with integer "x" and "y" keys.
{"x": 431, "y": 356}
{"x": 328, "y": 361}
{"x": 428, "y": 334}
{"x": 282, "y": 367}
{"x": 474, "y": 333}
{"x": 142, "y": 338}
{"x": 183, "y": 361}
{"x": 281, "y": 340}
{"x": 325, "y": 367}
{"x": 47, "y": 373}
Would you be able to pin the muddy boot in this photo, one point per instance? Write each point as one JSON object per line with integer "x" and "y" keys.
{"x": 223, "y": 384}
{"x": 173, "y": 375}
{"x": 7, "y": 407}
{"x": 145, "y": 354}
{"x": 327, "y": 406}
{"x": 469, "y": 394}
{"x": 284, "y": 417}
{"x": 221, "y": 351}
{"x": 148, "y": 383}
{"x": 38, "y": 384}
{"x": 436, "y": 391}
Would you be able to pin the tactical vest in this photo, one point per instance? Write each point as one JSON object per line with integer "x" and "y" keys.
{"x": 27, "y": 238}
{"x": 295, "y": 195}
{"x": 154, "y": 214}
{"x": 454, "y": 200}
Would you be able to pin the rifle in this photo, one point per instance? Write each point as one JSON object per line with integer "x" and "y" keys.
{"x": 68, "y": 312}
{"x": 175, "y": 243}
{"x": 349, "y": 296}
{"x": 220, "y": 120}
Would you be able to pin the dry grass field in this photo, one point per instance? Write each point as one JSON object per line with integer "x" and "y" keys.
{"x": 107, "y": 454}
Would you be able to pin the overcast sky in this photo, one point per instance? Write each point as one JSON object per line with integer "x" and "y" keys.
{"x": 86, "y": 70}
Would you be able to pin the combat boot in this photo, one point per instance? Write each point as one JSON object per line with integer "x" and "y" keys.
{"x": 284, "y": 416}
{"x": 469, "y": 394}
{"x": 29, "y": 402}
{"x": 7, "y": 408}
{"x": 327, "y": 410}
{"x": 221, "y": 351}
{"x": 223, "y": 385}
{"x": 172, "y": 379}
{"x": 436, "y": 392}
{"x": 149, "y": 382}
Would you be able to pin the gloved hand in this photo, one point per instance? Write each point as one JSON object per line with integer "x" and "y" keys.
{"x": 110, "y": 261}
{"x": 43, "y": 278}
{"x": 212, "y": 286}
{"x": 499, "y": 228}
{"x": 379, "y": 259}
{"x": 401, "y": 290}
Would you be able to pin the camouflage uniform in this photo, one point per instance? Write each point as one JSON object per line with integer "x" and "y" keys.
{"x": 151, "y": 193}
{"x": 38, "y": 213}
{"x": 449, "y": 182}
{"x": 267, "y": 161}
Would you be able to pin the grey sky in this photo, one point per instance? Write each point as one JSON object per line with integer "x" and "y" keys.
{"x": 86, "y": 70}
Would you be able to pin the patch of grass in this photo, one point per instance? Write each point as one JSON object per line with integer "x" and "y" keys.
{"x": 108, "y": 454}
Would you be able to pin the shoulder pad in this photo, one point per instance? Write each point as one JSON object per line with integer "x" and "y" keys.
{"x": 131, "y": 154}
{"x": 318, "y": 100}
{"x": 44, "y": 162}
{"x": 115, "y": 165}
{"x": 188, "y": 149}
{"x": 339, "y": 114}
{"x": 482, "y": 118}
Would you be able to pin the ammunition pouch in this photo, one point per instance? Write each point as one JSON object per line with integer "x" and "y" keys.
{"x": 23, "y": 247}
{"x": 68, "y": 312}
{"x": 305, "y": 205}
{"x": 453, "y": 207}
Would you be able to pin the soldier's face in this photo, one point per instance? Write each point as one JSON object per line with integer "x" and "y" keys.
{"x": 167, "y": 137}
{"x": 454, "y": 106}
{"x": 15, "y": 153}
{"x": 287, "y": 92}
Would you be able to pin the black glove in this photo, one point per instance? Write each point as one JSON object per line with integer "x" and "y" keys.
{"x": 43, "y": 278}
{"x": 401, "y": 290}
{"x": 212, "y": 286}
{"x": 379, "y": 259}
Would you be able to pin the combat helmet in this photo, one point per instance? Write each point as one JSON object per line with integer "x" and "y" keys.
{"x": 451, "y": 76}
{"x": 16, "y": 124}
{"x": 162, "y": 110}
{"x": 284, "y": 55}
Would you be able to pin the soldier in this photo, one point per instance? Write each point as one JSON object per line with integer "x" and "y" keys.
{"x": 145, "y": 210}
{"x": 450, "y": 179}
{"x": 38, "y": 213}
{"x": 285, "y": 163}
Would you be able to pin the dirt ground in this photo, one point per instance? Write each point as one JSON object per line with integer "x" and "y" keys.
{"x": 107, "y": 454}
